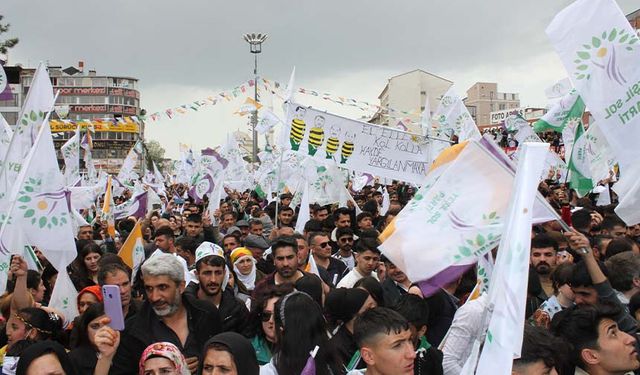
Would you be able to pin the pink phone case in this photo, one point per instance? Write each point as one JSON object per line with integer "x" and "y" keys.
{"x": 113, "y": 306}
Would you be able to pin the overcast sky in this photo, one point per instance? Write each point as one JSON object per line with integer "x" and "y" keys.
{"x": 183, "y": 51}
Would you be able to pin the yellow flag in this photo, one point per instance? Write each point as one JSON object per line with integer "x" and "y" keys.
{"x": 107, "y": 210}
{"x": 132, "y": 250}
{"x": 248, "y": 106}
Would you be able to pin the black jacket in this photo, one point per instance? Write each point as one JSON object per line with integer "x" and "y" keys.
{"x": 442, "y": 308}
{"x": 391, "y": 292}
{"x": 428, "y": 362}
{"x": 233, "y": 312}
{"x": 204, "y": 322}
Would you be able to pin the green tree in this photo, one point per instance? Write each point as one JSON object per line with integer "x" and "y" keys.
{"x": 154, "y": 153}
{"x": 8, "y": 43}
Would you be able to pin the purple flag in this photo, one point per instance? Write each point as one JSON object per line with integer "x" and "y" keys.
{"x": 430, "y": 286}
{"x": 7, "y": 94}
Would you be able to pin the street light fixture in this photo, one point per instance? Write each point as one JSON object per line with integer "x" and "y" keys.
{"x": 255, "y": 46}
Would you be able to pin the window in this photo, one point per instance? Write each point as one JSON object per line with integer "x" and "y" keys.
{"x": 99, "y": 82}
{"x": 502, "y": 107}
{"x": 13, "y": 102}
{"x": 11, "y": 117}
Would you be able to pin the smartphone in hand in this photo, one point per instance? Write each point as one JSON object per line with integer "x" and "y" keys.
{"x": 113, "y": 306}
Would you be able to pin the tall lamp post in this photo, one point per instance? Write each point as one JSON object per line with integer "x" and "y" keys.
{"x": 255, "y": 46}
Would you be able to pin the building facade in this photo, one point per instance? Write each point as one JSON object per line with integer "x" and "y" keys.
{"x": 108, "y": 105}
{"x": 634, "y": 19}
{"x": 484, "y": 98}
{"x": 403, "y": 98}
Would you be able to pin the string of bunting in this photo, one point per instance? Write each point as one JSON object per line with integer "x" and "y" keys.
{"x": 212, "y": 100}
{"x": 274, "y": 88}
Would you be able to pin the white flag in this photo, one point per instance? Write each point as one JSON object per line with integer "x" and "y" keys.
{"x": 64, "y": 296}
{"x": 508, "y": 286}
{"x": 267, "y": 120}
{"x": 452, "y": 118}
{"x": 569, "y": 108}
{"x": 39, "y": 211}
{"x": 71, "y": 155}
{"x": 601, "y": 52}
{"x": 129, "y": 164}
{"x": 425, "y": 117}
{"x": 559, "y": 89}
{"x": 601, "y": 159}
{"x": 5, "y": 136}
{"x": 3, "y": 79}
{"x": 385, "y": 202}
{"x": 39, "y": 101}
{"x": 304, "y": 214}
{"x": 289, "y": 94}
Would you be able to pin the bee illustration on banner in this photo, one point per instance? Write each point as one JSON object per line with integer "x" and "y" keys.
{"x": 332, "y": 142}
{"x": 316, "y": 135}
{"x": 298, "y": 127}
{"x": 347, "y": 147}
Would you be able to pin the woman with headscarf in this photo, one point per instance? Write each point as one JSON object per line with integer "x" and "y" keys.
{"x": 228, "y": 353}
{"x": 162, "y": 358}
{"x": 244, "y": 264}
{"x": 45, "y": 357}
{"x": 342, "y": 307}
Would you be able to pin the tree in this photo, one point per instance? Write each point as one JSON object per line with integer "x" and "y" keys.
{"x": 155, "y": 154}
{"x": 8, "y": 43}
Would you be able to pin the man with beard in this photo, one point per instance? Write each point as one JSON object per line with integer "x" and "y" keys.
{"x": 395, "y": 285}
{"x": 543, "y": 260}
{"x": 166, "y": 315}
{"x": 285, "y": 217}
{"x": 345, "y": 239}
{"x": 285, "y": 260}
{"x": 212, "y": 277}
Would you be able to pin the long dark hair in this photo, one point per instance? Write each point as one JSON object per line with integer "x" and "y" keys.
{"x": 254, "y": 321}
{"x": 300, "y": 327}
{"x": 82, "y": 339}
{"x": 79, "y": 269}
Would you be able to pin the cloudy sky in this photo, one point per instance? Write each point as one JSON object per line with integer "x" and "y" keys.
{"x": 183, "y": 51}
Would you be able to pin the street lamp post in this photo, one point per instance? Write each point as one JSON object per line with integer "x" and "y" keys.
{"x": 255, "y": 46}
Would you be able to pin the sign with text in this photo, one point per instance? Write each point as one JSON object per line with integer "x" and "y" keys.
{"x": 358, "y": 146}
{"x": 83, "y": 91}
{"x": 499, "y": 116}
{"x": 116, "y": 91}
{"x": 126, "y": 127}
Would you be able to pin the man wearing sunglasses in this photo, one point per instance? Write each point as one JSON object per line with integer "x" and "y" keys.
{"x": 321, "y": 252}
{"x": 345, "y": 239}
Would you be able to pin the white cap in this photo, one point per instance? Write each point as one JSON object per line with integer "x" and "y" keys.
{"x": 208, "y": 248}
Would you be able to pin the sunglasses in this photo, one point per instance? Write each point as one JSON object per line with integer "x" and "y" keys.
{"x": 349, "y": 239}
{"x": 265, "y": 316}
{"x": 324, "y": 244}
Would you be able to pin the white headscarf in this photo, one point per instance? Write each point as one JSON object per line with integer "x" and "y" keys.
{"x": 249, "y": 280}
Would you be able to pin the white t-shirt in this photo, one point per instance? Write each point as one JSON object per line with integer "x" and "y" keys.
{"x": 350, "y": 279}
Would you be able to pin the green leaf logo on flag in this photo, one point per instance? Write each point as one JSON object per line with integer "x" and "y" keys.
{"x": 41, "y": 207}
{"x": 601, "y": 53}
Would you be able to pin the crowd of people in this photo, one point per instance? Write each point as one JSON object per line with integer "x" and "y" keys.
{"x": 239, "y": 291}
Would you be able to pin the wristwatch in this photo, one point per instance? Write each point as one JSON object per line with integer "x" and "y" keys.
{"x": 583, "y": 250}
